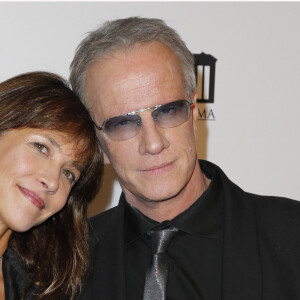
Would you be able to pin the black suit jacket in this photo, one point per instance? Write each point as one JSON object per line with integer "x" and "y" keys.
{"x": 261, "y": 257}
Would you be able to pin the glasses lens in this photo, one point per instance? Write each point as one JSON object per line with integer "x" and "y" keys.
{"x": 122, "y": 127}
{"x": 172, "y": 114}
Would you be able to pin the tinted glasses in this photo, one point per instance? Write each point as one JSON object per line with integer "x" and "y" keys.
{"x": 168, "y": 115}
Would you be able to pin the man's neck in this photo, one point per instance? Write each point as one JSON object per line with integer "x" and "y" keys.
{"x": 170, "y": 208}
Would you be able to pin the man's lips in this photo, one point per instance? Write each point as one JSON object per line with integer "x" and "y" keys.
{"x": 33, "y": 197}
{"x": 156, "y": 170}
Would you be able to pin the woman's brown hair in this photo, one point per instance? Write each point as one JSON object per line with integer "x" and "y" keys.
{"x": 55, "y": 252}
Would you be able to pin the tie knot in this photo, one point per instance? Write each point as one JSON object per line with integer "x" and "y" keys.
{"x": 161, "y": 239}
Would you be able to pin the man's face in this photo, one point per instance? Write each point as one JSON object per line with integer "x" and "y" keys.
{"x": 158, "y": 163}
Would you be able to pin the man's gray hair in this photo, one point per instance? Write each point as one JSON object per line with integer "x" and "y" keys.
{"x": 125, "y": 33}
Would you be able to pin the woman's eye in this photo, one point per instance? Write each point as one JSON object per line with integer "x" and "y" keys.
{"x": 69, "y": 175}
{"x": 41, "y": 147}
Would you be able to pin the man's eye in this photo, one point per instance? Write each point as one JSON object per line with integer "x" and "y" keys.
{"x": 122, "y": 122}
{"x": 166, "y": 110}
{"x": 69, "y": 175}
{"x": 119, "y": 123}
{"x": 41, "y": 147}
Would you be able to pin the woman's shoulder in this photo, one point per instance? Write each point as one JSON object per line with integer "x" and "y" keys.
{"x": 16, "y": 278}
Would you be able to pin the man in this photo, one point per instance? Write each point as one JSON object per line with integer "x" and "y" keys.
{"x": 136, "y": 77}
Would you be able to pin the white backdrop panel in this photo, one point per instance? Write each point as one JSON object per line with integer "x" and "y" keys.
{"x": 255, "y": 137}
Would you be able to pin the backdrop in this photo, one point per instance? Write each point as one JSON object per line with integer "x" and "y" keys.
{"x": 253, "y": 128}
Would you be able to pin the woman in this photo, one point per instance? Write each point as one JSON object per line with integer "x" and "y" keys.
{"x": 50, "y": 168}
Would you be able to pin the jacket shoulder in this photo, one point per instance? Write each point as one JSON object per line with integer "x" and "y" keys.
{"x": 272, "y": 205}
{"x": 278, "y": 221}
{"x": 99, "y": 221}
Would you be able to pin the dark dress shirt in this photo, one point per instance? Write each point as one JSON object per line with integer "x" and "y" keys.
{"x": 195, "y": 253}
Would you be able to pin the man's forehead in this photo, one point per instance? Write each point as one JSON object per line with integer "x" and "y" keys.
{"x": 128, "y": 81}
{"x": 135, "y": 56}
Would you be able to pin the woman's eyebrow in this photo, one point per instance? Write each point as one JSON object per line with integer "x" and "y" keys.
{"x": 52, "y": 141}
{"x": 76, "y": 166}
{"x": 56, "y": 145}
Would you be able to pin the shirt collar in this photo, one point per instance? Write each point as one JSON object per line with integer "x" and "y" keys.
{"x": 203, "y": 218}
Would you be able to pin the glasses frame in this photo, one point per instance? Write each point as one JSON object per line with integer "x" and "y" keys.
{"x": 136, "y": 112}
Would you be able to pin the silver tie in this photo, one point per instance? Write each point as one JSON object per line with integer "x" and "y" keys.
{"x": 157, "y": 273}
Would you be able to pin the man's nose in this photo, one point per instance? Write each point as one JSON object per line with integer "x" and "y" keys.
{"x": 152, "y": 138}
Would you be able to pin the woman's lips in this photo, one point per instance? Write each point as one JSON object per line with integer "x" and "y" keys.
{"x": 33, "y": 197}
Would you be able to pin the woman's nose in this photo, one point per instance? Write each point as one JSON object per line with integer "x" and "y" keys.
{"x": 49, "y": 178}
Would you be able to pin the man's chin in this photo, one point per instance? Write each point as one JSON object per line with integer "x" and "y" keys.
{"x": 160, "y": 194}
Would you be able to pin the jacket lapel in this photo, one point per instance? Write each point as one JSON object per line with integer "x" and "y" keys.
{"x": 242, "y": 275}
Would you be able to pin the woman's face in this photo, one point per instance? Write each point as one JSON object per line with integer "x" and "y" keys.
{"x": 37, "y": 172}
